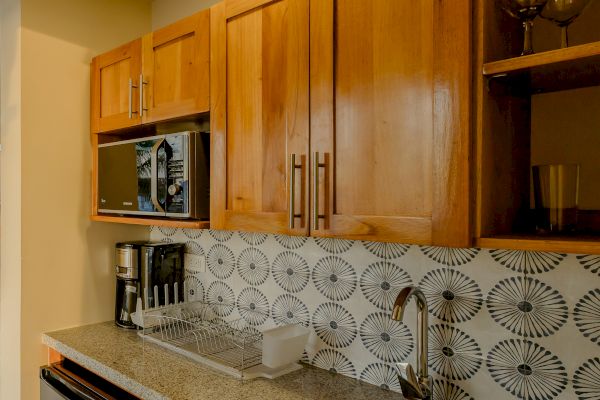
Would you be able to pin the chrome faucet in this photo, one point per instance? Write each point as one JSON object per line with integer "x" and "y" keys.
{"x": 419, "y": 385}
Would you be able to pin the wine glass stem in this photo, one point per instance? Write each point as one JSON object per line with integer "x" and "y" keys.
{"x": 528, "y": 37}
{"x": 564, "y": 40}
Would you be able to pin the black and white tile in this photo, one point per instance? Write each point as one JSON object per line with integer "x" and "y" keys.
{"x": 527, "y": 307}
{"x": 503, "y": 324}
{"x": 527, "y": 370}
{"x": 253, "y": 266}
{"x": 381, "y": 282}
{"x": 387, "y": 340}
{"x": 587, "y": 315}
{"x": 334, "y": 324}
{"x": 452, "y": 295}
{"x": 290, "y": 271}
{"x": 334, "y": 278}
{"x": 586, "y": 380}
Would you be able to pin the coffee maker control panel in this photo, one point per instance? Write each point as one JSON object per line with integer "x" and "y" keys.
{"x": 126, "y": 262}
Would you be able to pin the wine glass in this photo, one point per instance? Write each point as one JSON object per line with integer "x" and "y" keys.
{"x": 525, "y": 10}
{"x": 562, "y": 13}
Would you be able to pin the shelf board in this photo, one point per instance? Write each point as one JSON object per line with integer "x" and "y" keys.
{"x": 561, "y": 244}
{"x": 173, "y": 223}
{"x": 561, "y": 69}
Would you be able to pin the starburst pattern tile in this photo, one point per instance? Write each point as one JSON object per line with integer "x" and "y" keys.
{"x": 587, "y": 315}
{"x": 381, "y": 282}
{"x": 532, "y": 262}
{"x": 586, "y": 380}
{"x": 499, "y": 318}
{"x": 334, "y": 325}
{"x": 527, "y": 307}
{"x": 388, "y": 340}
{"x": 527, "y": 370}
{"x": 334, "y": 278}
{"x": 452, "y": 295}
{"x": 453, "y": 353}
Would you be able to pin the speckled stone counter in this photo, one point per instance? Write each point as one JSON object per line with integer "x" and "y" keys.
{"x": 151, "y": 372}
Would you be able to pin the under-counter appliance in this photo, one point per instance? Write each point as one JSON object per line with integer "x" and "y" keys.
{"x": 67, "y": 380}
{"x": 143, "y": 269}
{"x": 165, "y": 175}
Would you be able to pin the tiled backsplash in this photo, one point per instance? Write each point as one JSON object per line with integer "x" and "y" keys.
{"x": 503, "y": 324}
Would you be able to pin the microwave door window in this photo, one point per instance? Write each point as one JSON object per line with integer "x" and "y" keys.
{"x": 116, "y": 178}
{"x": 144, "y": 175}
{"x": 177, "y": 175}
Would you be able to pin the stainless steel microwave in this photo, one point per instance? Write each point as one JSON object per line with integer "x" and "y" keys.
{"x": 166, "y": 176}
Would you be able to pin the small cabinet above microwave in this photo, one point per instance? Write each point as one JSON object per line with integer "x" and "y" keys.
{"x": 162, "y": 76}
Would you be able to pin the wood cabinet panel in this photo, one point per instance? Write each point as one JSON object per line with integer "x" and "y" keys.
{"x": 162, "y": 76}
{"x": 452, "y": 124}
{"x": 259, "y": 75}
{"x": 113, "y": 77}
{"x": 390, "y": 111}
{"x": 383, "y": 108}
{"x": 176, "y": 69}
{"x": 389, "y": 118}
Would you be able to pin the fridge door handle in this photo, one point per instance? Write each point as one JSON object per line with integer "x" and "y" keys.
{"x": 154, "y": 175}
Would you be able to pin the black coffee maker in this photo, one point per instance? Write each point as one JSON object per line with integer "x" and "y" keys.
{"x": 143, "y": 269}
{"x": 161, "y": 267}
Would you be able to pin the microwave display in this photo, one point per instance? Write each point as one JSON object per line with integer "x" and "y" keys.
{"x": 164, "y": 175}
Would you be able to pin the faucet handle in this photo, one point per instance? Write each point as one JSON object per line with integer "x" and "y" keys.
{"x": 410, "y": 385}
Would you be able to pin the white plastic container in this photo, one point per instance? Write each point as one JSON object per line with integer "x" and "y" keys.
{"x": 283, "y": 345}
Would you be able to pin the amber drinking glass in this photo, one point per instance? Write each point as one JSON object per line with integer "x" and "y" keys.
{"x": 526, "y": 11}
{"x": 563, "y": 13}
{"x": 556, "y": 193}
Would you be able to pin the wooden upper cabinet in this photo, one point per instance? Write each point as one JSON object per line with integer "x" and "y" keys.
{"x": 260, "y": 115}
{"x": 113, "y": 77}
{"x": 176, "y": 69}
{"x": 390, "y": 94}
{"x": 162, "y": 76}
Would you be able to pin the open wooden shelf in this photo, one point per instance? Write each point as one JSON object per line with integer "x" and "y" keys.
{"x": 189, "y": 224}
{"x": 554, "y": 70}
{"x": 579, "y": 244}
{"x": 574, "y": 53}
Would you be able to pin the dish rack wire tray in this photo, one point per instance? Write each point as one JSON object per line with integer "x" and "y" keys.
{"x": 196, "y": 330}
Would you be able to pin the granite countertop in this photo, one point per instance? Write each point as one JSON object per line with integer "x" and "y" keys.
{"x": 151, "y": 372}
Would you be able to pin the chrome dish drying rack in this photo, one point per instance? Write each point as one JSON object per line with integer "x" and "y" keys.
{"x": 197, "y": 331}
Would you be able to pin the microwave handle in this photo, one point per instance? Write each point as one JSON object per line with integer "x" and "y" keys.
{"x": 154, "y": 175}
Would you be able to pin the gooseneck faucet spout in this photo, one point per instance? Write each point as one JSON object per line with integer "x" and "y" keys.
{"x": 415, "y": 386}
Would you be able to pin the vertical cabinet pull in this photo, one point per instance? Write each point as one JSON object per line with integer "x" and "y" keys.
{"x": 131, "y": 87}
{"x": 141, "y": 86}
{"x": 315, "y": 210}
{"x": 292, "y": 191}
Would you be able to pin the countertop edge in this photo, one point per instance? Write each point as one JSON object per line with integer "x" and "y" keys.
{"x": 102, "y": 370}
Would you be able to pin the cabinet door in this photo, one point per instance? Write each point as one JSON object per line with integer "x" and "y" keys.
{"x": 114, "y": 93}
{"x": 175, "y": 69}
{"x": 259, "y": 115}
{"x": 390, "y": 87}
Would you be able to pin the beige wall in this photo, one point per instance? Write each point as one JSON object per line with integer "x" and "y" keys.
{"x": 64, "y": 260}
{"x": 10, "y": 193}
{"x": 565, "y": 127}
{"x": 165, "y": 12}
